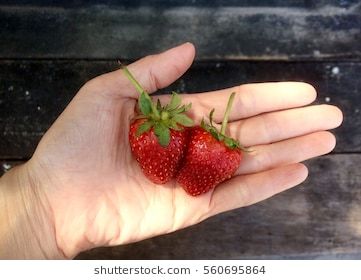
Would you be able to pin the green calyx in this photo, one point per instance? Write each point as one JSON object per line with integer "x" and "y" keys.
{"x": 220, "y": 135}
{"x": 161, "y": 118}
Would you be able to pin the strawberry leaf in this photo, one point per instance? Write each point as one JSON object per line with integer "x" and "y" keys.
{"x": 178, "y": 110}
{"x": 231, "y": 143}
{"x": 211, "y": 117}
{"x": 145, "y": 105}
{"x": 173, "y": 125}
{"x": 140, "y": 117}
{"x": 163, "y": 134}
{"x": 174, "y": 102}
{"x": 159, "y": 105}
{"x": 187, "y": 107}
{"x": 144, "y": 127}
{"x": 212, "y": 130}
{"x": 183, "y": 120}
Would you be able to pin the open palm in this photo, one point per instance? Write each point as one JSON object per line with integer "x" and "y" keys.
{"x": 97, "y": 192}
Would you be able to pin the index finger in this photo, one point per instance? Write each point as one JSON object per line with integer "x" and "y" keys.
{"x": 252, "y": 99}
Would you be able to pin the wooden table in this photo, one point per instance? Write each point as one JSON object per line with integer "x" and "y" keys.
{"x": 48, "y": 52}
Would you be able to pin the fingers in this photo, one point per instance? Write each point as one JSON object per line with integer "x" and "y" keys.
{"x": 277, "y": 126}
{"x": 152, "y": 72}
{"x": 252, "y": 99}
{"x": 265, "y": 157}
{"x": 249, "y": 189}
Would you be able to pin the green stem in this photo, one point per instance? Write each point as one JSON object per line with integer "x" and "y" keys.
{"x": 131, "y": 78}
{"x": 140, "y": 89}
{"x": 226, "y": 114}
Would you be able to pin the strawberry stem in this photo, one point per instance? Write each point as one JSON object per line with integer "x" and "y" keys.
{"x": 226, "y": 114}
{"x": 140, "y": 89}
{"x": 131, "y": 78}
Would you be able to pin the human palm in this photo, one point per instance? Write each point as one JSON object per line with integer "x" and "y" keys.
{"x": 97, "y": 192}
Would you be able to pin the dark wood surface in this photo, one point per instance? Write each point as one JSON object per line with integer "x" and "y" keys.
{"x": 177, "y": 3}
{"x": 48, "y": 49}
{"x": 218, "y": 32}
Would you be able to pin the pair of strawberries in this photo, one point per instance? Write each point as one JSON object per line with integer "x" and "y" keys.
{"x": 167, "y": 145}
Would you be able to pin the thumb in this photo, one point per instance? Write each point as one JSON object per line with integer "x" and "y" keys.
{"x": 153, "y": 72}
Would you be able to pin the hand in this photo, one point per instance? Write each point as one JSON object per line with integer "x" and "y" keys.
{"x": 98, "y": 195}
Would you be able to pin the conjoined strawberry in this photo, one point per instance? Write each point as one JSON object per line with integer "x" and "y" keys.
{"x": 212, "y": 157}
{"x": 158, "y": 137}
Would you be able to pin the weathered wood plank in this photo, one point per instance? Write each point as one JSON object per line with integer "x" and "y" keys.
{"x": 319, "y": 219}
{"x": 177, "y": 3}
{"x": 155, "y": 3}
{"x": 32, "y": 103}
{"x": 104, "y": 32}
{"x": 29, "y": 105}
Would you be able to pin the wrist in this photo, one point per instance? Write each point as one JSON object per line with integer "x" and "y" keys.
{"x": 26, "y": 224}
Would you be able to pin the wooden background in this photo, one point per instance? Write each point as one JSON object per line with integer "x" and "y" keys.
{"x": 48, "y": 49}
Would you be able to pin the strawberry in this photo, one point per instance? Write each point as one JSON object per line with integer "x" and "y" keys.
{"x": 158, "y": 137}
{"x": 212, "y": 157}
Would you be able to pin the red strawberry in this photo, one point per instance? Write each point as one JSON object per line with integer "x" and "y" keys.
{"x": 212, "y": 157}
{"x": 158, "y": 137}
{"x": 158, "y": 163}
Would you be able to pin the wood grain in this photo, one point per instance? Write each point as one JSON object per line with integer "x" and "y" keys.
{"x": 104, "y": 32}
{"x": 177, "y": 3}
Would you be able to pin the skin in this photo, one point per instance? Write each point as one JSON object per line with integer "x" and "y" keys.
{"x": 83, "y": 189}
